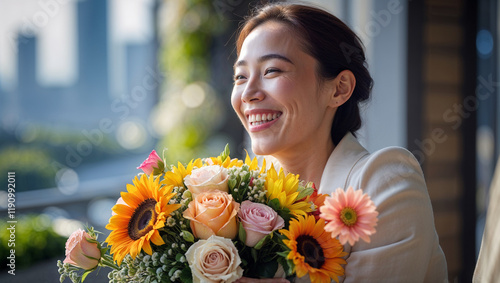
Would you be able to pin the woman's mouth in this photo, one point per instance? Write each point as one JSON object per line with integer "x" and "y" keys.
{"x": 259, "y": 119}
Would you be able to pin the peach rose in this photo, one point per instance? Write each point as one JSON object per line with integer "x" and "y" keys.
{"x": 214, "y": 260}
{"x": 208, "y": 178}
{"x": 78, "y": 250}
{"x": 213, "y": 213}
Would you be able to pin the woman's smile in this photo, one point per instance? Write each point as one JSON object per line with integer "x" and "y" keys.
{"x": 259, "y": 120}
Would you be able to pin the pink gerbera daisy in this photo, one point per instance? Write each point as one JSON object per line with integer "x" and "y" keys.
{"x": 350, "y": 215}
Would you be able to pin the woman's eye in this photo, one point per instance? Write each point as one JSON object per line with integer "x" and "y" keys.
{"x": 238, "y": 77}
{"x": 271, "y": 70}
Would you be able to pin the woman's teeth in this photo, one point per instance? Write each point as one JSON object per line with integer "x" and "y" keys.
{"x": 259, "y": 119}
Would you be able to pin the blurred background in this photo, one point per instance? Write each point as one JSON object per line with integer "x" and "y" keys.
{"x": 88, "y": 88}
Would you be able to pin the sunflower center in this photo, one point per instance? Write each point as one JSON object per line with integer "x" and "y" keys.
{"x": 348, "y": 216}
{"x": 142, "y": 219}
{"x": 312, "y": 251}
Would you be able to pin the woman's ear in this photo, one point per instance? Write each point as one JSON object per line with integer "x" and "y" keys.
{"x": 344, "y": 85}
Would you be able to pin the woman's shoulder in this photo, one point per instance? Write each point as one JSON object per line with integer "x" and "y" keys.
{"x": 393, "y": 155}
{"x": 389, "y": 161}
{"x": 389, "y": 171}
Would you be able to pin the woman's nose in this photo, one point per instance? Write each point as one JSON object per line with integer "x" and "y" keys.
{"x": 253, "y": 92}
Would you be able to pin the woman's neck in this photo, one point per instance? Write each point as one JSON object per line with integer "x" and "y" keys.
{"x": 309, "y": 164}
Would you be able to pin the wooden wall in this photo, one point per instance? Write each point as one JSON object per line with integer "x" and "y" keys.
{"x": 441, "y": 121}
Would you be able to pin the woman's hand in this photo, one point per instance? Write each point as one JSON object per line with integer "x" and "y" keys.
{"x": 268, "y": 280}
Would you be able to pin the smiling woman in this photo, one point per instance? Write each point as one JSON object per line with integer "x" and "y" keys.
{"x": 299, "y": 79}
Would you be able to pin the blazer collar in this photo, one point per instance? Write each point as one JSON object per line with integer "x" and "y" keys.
{"x": 340, "y": 163}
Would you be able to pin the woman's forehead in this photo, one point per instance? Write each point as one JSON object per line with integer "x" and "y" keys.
{"x": 268, "y": 38}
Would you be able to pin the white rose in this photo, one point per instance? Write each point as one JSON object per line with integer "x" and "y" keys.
{"x": 208, "y": 178}
{"x": 215, "y": 260}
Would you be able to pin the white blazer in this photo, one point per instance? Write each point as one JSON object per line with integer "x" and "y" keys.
{"x": 405, "y": 247}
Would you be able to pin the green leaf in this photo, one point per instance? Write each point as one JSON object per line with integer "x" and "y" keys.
{"x": 104, "y": 251}
{"x": 262, "y": 242}
{"x": 232, "y": 183}
{"x": 188, "y": 237}
{"x": 283, "y": 254}
{"x": 225, "y": 153}
{"x": 268, "y": 269}
{"x": 242, "y": 234}
{"x": 254, "y": 255}
{"x": 87, "y": 272}
{"x": 178, "y": 258}
{"x": 186, "y": 275}
{"x": 89, "y": 257}
{"x": 171, "y": 272}
{"x": 159, "y": 169}
{"x": 246, "y": 178}
{"x": 274, "y": 204}
{"x": 304, "y": 192}
{"x": 92, "y": 241}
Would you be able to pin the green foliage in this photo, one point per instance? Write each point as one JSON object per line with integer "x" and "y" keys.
{"x": 185, "y": 55}
{"x": 262, "y": 260}
{"x": 31, "y": 165}
{"x": 39, "y": 152}
{"x": 35, "y": 240}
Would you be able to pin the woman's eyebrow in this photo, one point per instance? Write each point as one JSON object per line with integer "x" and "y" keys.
{"x": 265, "y": 58}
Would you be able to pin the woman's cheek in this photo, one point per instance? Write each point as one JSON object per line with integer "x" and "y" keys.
{"x": 236, "y": 103}
{"x": 235, "y": 97}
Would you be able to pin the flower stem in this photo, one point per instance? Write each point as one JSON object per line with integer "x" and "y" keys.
{"x": 108, "y": 261}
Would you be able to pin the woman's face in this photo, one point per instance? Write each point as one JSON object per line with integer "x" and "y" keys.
{"x": 277, "y": 95}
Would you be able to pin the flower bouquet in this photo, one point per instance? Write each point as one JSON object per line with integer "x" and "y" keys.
{"x": 218, "y": 219}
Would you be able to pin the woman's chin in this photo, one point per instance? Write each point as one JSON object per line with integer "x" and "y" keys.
{"x": 260, "y": 147}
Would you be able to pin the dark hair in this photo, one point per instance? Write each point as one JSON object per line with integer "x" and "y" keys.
{"x": 332, "y": 43}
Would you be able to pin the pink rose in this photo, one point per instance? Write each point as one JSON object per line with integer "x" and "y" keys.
{"x": 152, "y": 164}
{"x": 258, "y": 220}
{"x": 78, "y": 251}
{"x": 208, "y": 178}
{"x": 213, "y": 213}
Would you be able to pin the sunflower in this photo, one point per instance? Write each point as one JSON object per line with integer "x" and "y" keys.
{"x": 253, "y": 164}
{"x": 313, "y": 251}
{"x": 286, "y": 190}
{"x": 175, "y": 177}
{"x": 135, "y": 223}
{"x": 226, "y": 163}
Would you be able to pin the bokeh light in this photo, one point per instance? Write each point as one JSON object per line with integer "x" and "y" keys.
{"x": 131, "y": 135}
{"x": 484, "y": 42}
{"x": 65, "y": 227}
{"x": 193, "y": 95}
{"x": 67, "y": 181}
{"x": 99, "y": 210}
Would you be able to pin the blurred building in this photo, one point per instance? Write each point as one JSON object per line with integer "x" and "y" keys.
{"x": 84, "y": 101}
{"x": 84, "y": 72}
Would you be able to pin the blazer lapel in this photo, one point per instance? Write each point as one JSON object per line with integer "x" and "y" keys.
{"x": 340, "y": 164}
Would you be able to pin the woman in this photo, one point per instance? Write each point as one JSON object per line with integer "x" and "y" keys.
{"x": 299, "y": 79}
